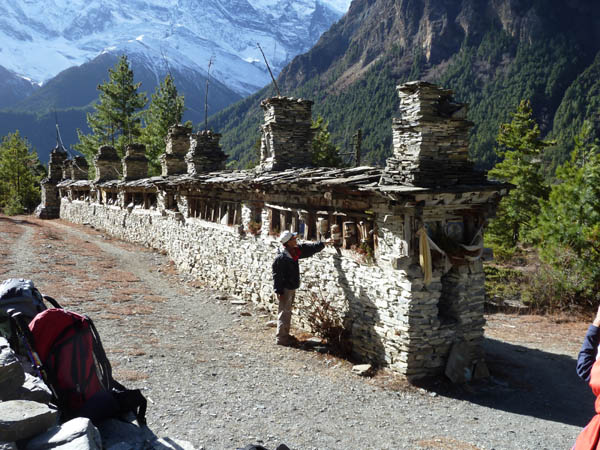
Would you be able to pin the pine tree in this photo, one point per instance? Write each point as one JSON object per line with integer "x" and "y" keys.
{"x": 19, "y": 183}
{"x": 324, "y": 152}
{"x": 521, "y": 148}
{"x": 569, "y": 223}
{"x": 166, "y": 109}
{"x": 116, "y": 120}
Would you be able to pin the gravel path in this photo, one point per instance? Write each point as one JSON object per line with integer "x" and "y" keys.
{"x": 213, "y": 376}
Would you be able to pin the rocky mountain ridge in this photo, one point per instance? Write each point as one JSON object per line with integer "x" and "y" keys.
{"x": 491, "y": 53}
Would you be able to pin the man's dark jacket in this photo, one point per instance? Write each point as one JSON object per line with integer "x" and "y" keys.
{"x": 286, "y": 271}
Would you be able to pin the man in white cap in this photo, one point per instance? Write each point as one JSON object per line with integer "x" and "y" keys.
{"x": 286, "y": 279}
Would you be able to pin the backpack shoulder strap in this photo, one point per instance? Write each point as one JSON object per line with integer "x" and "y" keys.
{"x": 51, "y": 300}
{"x": 100, "y": 354}
{"x": 130, "y": 400}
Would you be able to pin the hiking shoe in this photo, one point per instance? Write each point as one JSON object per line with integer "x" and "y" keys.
{"x": 290, "y": 341}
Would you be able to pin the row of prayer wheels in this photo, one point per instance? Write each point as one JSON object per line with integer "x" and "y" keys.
{"x": 350, "y": 233}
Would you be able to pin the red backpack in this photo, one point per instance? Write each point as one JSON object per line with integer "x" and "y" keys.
{"x": 77, "y": 369}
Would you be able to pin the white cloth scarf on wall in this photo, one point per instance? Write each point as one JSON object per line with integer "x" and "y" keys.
{"x": 426, "y": 244}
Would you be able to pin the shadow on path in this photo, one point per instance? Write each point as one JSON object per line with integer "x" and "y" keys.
{"x": 17, "y": 221}
{"x": 526, "y": 381}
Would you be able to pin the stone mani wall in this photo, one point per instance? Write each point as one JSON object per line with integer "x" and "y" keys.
{"x": 221, "y": 226}
{"x": 393, "y": 315}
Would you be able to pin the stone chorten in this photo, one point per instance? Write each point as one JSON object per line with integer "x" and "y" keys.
{"x": 430, "y": 139}
{"x": 286, "y": 133}
{"x": 58, "y": 156}
{"x": 205, "y": 154}
{"x": 107, "y": 163}
{"x": 80, "y": 168}
{"x": 76, "y": 169}
{"x": 49, "y": 208}
{"x": 135, "y": 163}
{"x": 178, "y": 142}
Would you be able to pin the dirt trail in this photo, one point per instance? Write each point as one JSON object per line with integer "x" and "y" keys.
{"x": 214, "y": 377}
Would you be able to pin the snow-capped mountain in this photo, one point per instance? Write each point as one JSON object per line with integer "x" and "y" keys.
{"x": 39, "y": 39}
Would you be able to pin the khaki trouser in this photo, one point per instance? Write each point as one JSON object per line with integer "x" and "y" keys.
{"x": 284, "y": 316}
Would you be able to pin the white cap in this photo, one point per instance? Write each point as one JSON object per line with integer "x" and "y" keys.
{"x": 286, "y": 236}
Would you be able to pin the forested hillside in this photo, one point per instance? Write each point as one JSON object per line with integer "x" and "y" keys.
{"x": 72, "y": 93}
{"x": 492, "y": 54}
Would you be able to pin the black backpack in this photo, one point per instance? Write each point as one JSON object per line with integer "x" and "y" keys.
{"x": 19, "y": 296}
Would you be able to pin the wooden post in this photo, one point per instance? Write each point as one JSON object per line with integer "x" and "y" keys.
{"x": 357, "y": 148}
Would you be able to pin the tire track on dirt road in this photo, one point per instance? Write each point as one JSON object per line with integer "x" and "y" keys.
{"x": 17, "y": 257}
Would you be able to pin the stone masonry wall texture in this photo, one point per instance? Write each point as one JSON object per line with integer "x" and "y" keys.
{"x": 384, "y": 303}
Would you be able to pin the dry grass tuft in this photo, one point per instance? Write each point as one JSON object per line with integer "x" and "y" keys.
{"x": 117, "y": 297}
{"x": 129, "y": 375}
{"x": 110, "y": 351}
{"x": 136, "y": 352}
{"x": 131, "y": 247}
{"x": 110, "y": 316}
{"x": 55, "y": 288}
{"x": 128, "y": 294}
{"x": 119, "y": 276}
{"x": 388, "y": 380}
{"x": 79, "y": 296}
{"x": 108, "y": 263}
{"x": 154, "y": 298}
{"x": 64, "y": 262}
{"x": 48, "y": 235}
{"x": 115, "y": 364}
{"x": 4, "y": 248}
{"x": 129, "y": 310}
{"x": 73, "y": 305}
{"x": 168, "y": 347}
{"x": 326, "y": 322}
{"x": 131, "y": 291}
{"x": 91, "y": 285}
{"x": 445, "y": 443}
{"x": 173, "y": 319}
{"x": 169, "y": 269}
{"x": 86, "y": 250}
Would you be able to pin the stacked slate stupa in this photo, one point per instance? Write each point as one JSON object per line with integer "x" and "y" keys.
{"x": 205, "y": 154}
{"x": 430, "y": 140}
{"x": 76, "y": 168}
{"x": 178, "y": 143}
{"x": 49, "y": 208}
{"x": 135, "y": 162}
{"x": 286, "y": 133}
{"x": 107, "y": 164}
